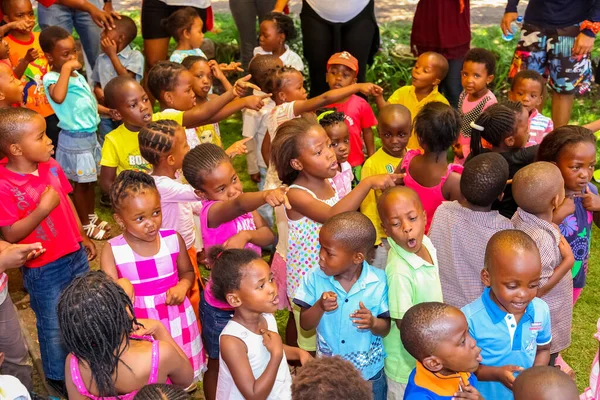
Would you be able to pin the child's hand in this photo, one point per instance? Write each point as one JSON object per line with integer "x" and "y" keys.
{"x": 109, "y": 46}
{"x": 370, "y": 89}
{"x": 242, "y": 85}
{"x": 175, "y": 295}
{"x": 49, "y": 200}
{"x": 328, "y": 301}
{"x": 237, "y": 148}
{"x": 364, "y": 317}
{"x": 255, "y": 102}
{"x": 567, "y": 207}
{"x": 272, "y": 342}
{"x": 277, "y": 197}
{"x": 565, "y": 249}
{"x": 231, "y": 67}
{"x": 22, "y": 25}
{"x": 71, "y": 65}
{"x": 591, "y": 201}
{"x": 32, "y": 55}
{"x": 238, "y": 241}
{"x": 89, "y": 246}
{"x": 506, "y": 374}
{"x": 467, "y": 392}
{"x": 384, "y": 181}
{"x": 304, "y": 356}
{"x": 458, "y": 151}
{"x": 15, "y": 255}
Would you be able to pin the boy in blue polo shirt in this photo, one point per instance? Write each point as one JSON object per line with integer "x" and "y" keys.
{"x": 509, "y": 323}
{"x": 346, "y": 300}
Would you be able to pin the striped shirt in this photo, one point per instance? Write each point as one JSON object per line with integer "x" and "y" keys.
{"x": 460, "y": 236}
{"x": 560, "y": 298}
{"x": 539, "y": 126}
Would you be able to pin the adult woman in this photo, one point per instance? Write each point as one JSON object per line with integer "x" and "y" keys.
{"x": 329, "y": 27}
{"x": 244, "y": 14}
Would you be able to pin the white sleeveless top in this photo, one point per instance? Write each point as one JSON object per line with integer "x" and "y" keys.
{"x": 259, "y": 357}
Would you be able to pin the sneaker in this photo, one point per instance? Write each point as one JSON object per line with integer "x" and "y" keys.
{"x": 59, "y": 387}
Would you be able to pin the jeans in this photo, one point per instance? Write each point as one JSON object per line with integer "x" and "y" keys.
{"x": 451, "y": 86}
{"x": 12, "y": 344}
{"x": 379, "y": 385}
{"x": 107, "y": 125}
{"x": 244, "y": 14}
{"x": 45, "y": 284}
{"x": 69, "y": 18}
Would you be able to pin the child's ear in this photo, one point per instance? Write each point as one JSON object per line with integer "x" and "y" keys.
{"x": 358, "y": 258}
{"x": 485, "y": 277}
{"x": 511, "y": 95}
{"x": 186, "y": 33}
{"x": 509, "y": 141}
{"x": 437, "y": 81}
{"x": 114, "y": 114}
{"x": 2, "y": 96}
{"x": 432, "y": 363}
{"x": 200, "y": 194}
{"x": 49, "y": 58}
{"x": 119, "y": 220}
{"x": 385, "y": 229}
{"x": 281, "y": 96}
{"x": 501, "y": 196}
{"x": 233, "y": 300}
{"x": 489, "y": 79}
{"x": 296, "y": 164}
{"x": 170, "y": 159}
{"x": 168, "y": 97}
{"x": 556, "y": 202}
{"x": 15, "y": 149}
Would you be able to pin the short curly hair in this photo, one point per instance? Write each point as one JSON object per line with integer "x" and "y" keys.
{"x": 484, "y": 179}
{"x": 331, "y": 378}
{"x": 482, "y": 56}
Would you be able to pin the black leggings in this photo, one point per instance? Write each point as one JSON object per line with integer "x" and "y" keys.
{"x": 321, "y": 39}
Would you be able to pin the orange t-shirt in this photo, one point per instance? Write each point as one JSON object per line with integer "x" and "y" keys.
{"x": 34, "y": 96}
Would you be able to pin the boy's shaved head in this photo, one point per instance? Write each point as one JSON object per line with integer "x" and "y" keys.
{"x": 544, "y": 383}
{"x": 440, "y": 62}
{"x": 260, "y": 65}
{"x": 422, "y": 326}
{"x": 394, "y": 112}
{"x": 12, "y": 121}
{"x": 114, "y": 89}
{"x": 353, "y": 230}
{"x": 535, "y": 186}
{"x": 127, "y": 27}
{"x": 508, "y": 240}
{"x": 484, "y": 179}
{"x": 391, "y": 194}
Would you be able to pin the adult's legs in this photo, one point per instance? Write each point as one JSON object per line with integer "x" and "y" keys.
{"x": 244, "y": 14}
{"x": 89, "y": 33}
{"x": 452, "y": 86}
{"x": 317, "y": 42}
{"x": 56, "y": 14}
{"x": 562, "y": 105}
{"x": 357, "y": 39}
{"x": 12, "y": 344}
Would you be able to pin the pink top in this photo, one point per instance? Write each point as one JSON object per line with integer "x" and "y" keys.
{"x": 539, "y": 126}
{"x": 153, "y": 378}
{"x": 218, "y": 236}
{"x": 342, "y": 181}
{"x": 431, "y": 197}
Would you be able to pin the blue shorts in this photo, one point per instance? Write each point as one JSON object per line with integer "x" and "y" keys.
{"x": 213, "y": 322}
{"x": 79, "y": 153}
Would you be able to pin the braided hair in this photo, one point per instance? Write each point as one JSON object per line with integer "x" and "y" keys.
{"x": 558, "y": 139}
{"x": 330, "y": 116}
{"x": 130, "y": 183}
{"x": 283, "y": 23}
{"x": 156, "y": 139}
{"x": 275, "y": 79}
{"x": 498, "y": 122}
{"x": 163, "y": 76}
{"x": 200, "y": 160}
{"x": 161, "y": 391}
{"x": 228, "y": 269}
{"x": 95, "y": 317}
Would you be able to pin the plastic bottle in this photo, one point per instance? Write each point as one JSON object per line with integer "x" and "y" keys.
{"x": 515, "y": 27}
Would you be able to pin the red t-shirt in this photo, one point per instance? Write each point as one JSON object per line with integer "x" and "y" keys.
{"x": 359, "y": 116}
{"x": 21, "y": 194}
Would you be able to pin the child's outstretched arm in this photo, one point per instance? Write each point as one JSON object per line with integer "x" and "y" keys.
{"x": 254, "y": 102}
{"x": 562, "y": 269}
{"x": 232, "y": 351}
{"x": 15, "y": 255}
{"x": 58, "y": 91}
{"x": 31, "y": 56}
{"x": 176, "y": 294}
{"x": 218, "y": 74}
{"x": 261, "y": 236}
{"x": 310, "y": 105}
{"x": 380, "y": 101}
{"x": 296, "y": 354}
{"x": 265, "y": 148}
{"x": 305, "y": 204}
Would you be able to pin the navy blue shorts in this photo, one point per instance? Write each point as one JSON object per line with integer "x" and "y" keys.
{"x": 213, "y": 322}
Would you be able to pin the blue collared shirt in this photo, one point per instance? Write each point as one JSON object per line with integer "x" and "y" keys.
{"x": 131, "y": 59}
{"x": 336, "y": 334}
{"x": 503, "y": 341}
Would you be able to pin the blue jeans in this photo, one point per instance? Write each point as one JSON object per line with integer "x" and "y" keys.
{"x": 69, "y": 18}
{"x": 107, "y": 125}
{"x": 379, "y": 385}
{"x": 45, "y": 284}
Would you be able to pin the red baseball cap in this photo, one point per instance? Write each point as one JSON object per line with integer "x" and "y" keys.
{"x": 343, "y": 58}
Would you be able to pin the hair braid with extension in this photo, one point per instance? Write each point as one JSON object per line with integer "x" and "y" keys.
{"x": 94, "y": 321}
{"x": 498, "y": 122}
{"x": 275, "y": 79}
{"x": 200, "y": 160}
{"x": 163, "y": 76}
{"x": 130, "y": 183}
{"x": 156, "y": 139}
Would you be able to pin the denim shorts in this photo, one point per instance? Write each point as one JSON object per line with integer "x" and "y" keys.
{"x": 213, "y": 322}
{"x": 79, "y": 153}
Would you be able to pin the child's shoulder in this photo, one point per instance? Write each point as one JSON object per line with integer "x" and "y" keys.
{"x": 474, "y": 308}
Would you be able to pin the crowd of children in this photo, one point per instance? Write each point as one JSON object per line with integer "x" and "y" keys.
{"x": 455, "y": 280}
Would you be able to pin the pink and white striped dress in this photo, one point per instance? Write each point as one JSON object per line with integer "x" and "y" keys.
{"x": 151, "y": 277}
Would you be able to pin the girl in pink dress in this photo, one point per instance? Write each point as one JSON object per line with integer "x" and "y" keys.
{"x": 113, "y": 354}
{"x": 427, "y": 171}
{"x": 155, "y": 261}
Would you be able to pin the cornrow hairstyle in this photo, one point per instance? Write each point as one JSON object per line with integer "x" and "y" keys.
{"x": 259, "y": 67}
{"x": 283, "y": 23}
{"x": 12, "y": 120}
{"x": 285, "y": 146}
{"x": 275, "y": 79}
{"x": 529, "y": 74}
{"x": 179, "y": 22}
{"x": 482, "y": 56}
{"x": 129, "y": 183}
{"x": 437, "y": 126}
{"x": 201, "y": 160}
{"x": 498, "y": 122}
{"x": 228, "y": 269}
{"x": 189, "y": 61}
{"x": 558, "y": 139}
{"x": 49, "y": 36}
{"x": 156, "y": 139}
{"x": 163, "y": 76}
{"x": 161, "y": 391}
{"x": 95, "y": 317}
{"x": 330, "y": 116}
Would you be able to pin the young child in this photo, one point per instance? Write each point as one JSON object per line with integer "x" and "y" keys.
{"x": 342, "y": 69}
{"x": 573, "y": 150}
{"x": 427, "y": 171}
{"x": 544, "y": 383}
{"x": 275, "y": 30}
{"x": 394, "y": 131}
{"x": 131, "y": 105}
{"x": 330, "y": 378}
{"x": 335, "y": 126}
{"x": 504, "y": 127}
{"x": 11, "y": 89}
{"x": 437, "y": 336}
{"x": 346, "y": 299}
{"x": 185, "y": 26}
{"x": 539, "y": 189}
{"x": 509, "y": 324}
{"x": 29, "y": 62}
{"x": 164, "y": 145}
{"x": 478, "y": 72}
{"x": 253, "y": 359}
{"x": 529, "y": 87}
{"x": 77, "y": 151}
{"x": 118, "y": 58}
{"x": 124, "y": 353}
{"x": 430, "y": 69}
{"x": 305, "y": 161}
{"x": 412, "y": 275}
{"x": 155, "y": 262}
{"x": 460, "y": 230}
{"x": 228, "y": 218}
{"x": 37, "y": 208}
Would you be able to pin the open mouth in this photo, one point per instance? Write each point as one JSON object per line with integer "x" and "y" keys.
{"x": 147, "y": 117}
{"x": 479, "y": 358}
{"x": 275, "y": 300}
{"x": 519, "y": 305}
{"x": 412, "y": 243}
{"x": 334, "y": 165}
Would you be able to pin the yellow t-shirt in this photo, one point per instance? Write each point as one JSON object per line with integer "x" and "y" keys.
{"x": 121, "y": 148}
{"x": 379, "y": 163}
{"x": 406, "y": 96}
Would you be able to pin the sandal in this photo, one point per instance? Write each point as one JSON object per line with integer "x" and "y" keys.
{"x": 102, "y": 225}
{"x": 564, "y": 367}
{"x": 101, "y": 234}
